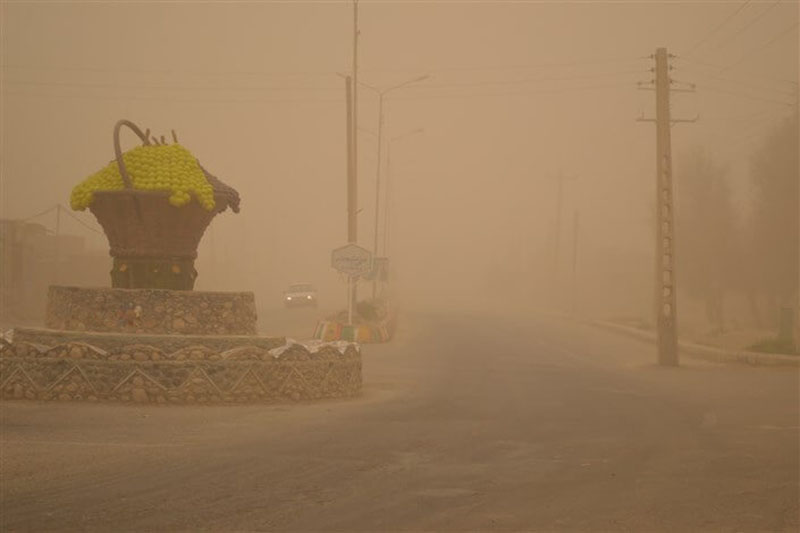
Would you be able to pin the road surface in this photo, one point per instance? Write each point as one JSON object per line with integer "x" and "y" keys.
{"x": 466, "y": 423}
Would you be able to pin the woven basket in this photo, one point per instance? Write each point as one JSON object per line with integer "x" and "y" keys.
{"x": 144, "y": 226}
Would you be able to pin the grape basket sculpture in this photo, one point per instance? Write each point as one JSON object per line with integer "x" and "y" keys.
{"x": 153, "y": 239}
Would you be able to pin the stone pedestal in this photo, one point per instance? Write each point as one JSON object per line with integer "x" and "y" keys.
{"x": 158, "y": 311}
{"x": 164, "y": 346}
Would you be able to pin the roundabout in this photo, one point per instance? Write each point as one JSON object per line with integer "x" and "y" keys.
{"x": 151, "y": 338}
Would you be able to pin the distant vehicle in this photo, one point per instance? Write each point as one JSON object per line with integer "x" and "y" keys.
{"x": 300, "y": 295}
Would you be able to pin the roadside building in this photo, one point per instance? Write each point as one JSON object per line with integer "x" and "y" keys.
{"x": 32, "y": 258}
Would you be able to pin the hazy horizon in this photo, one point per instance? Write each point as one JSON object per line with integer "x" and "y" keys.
{"x": 517, "y": 93}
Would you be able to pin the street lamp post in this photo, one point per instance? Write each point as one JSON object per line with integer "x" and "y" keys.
{"x": 387, "y": 206}
{"x": 381, "y": 93}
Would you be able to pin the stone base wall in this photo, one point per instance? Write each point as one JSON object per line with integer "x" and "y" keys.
{"x": 77, "y": 371}
{"x": 155, "y": 311}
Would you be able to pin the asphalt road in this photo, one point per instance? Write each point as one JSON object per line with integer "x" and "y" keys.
{"x": 466, "y": 423}
{"x": 294, "y": 322}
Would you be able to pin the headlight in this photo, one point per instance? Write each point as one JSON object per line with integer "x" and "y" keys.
{"x": 288, "y": 297}
{"x": 309, "y": 296}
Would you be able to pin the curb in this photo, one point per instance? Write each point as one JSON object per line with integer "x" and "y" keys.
{"x": 698, "y": 351}
{"x": 332, "y": 330}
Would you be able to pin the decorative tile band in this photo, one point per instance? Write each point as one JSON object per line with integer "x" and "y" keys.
{"x": 332, "y": 330}
{"x": 167, "y": 343}
{"x": 196, "y": 374}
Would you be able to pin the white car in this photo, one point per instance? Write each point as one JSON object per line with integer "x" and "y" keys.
{"x": 300, "y": 295}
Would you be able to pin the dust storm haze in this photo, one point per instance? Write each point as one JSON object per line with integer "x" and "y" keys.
{"x": 518, "y": 167}
{"x": 517, "y": 93}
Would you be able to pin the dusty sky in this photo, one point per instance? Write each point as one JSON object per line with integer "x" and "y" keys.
{"x": 517, "y": 92}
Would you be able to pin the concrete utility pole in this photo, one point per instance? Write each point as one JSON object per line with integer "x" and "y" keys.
{"x": 377, "y": 192}
{"x": 353, "y": 237}
{"x": 352, "y": 184}
{"x": 355, "y": 90}
{"x": 666, "y": 287}
{"x": 388, "y": 197}
{"x": 665, "y": 284}
{"x": 352, "y": 192}
{"x": 795, "y": 334}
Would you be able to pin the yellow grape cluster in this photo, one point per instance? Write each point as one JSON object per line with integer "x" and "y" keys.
{"x": 170, "y": 168}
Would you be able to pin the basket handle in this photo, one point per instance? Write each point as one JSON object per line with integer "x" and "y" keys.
{"x": 126, "y": 179}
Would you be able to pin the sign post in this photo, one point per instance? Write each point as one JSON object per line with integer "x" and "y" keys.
{"x": 349, "y": 300}
{"x": 352, "y": 260}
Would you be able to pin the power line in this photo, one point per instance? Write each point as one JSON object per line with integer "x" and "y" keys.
{"x": 744, "y": 84}
{"x": 716, "y": 28}
{"x": 743, "y": 95}
{"x": 525, "y": 66}
{"x": 157, "y": 98}
{"x": 765, "y": 45}
{"x": 752, "y": 21}
{"x": 91, "y": 85}
{"x": 720, "y": 68}
{"x": 747, "y": 119}
{"x": 172, "y": 71}
{"x": 66, "y": 211}
{"x": 37, "y": 215}
{"x": 79, "y": 221}
{"x": 527, "y": 80}
{"x": 516, "y": 93}
{"x": 699, "y": 62}
{"x": 331, "y": 101}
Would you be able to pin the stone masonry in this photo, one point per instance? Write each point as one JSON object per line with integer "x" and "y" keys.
{"x": 151, "y": 311}
{"x": 164, "y": 347}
